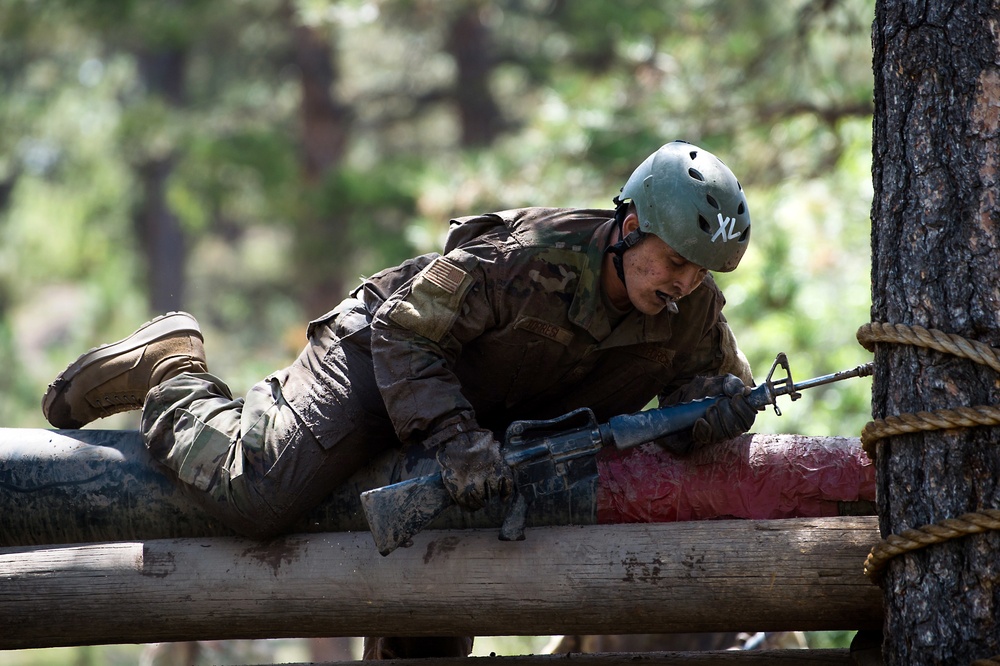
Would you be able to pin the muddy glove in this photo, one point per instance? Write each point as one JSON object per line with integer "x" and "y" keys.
{"x": 473, "y": 469}
{"x": 729, "y": 417}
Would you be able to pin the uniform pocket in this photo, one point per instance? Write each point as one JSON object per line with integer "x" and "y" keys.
{"x": 330, "y": 318}
{"x": 627, "y": 378}
{"x": 198, "y": 463}
{"x": 321, "y": 400}
{"x": 544, "y": 364}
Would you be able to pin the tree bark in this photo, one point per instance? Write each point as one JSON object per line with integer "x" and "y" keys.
{"x": 935, "y": 215}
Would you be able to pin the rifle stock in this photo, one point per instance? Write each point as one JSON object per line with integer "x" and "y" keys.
{"x": 546, "y": 457}
{"x": 394, "y": 517}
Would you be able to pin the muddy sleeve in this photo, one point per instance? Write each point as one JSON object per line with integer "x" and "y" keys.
{"x": 417, "y": 335}
{"x": 734, "y": 362}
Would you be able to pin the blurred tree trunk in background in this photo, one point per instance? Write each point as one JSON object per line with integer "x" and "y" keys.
{"x": 158, "y": 229}
{"x": 470, "y": 44}
{"x": 935, "y": 234}
{"x": 324, "y": 130}
{"x": 6, "y": 188}
{"x": 325, "y": 123}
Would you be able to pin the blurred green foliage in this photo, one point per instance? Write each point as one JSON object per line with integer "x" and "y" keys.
{"x": 583, "y": 90}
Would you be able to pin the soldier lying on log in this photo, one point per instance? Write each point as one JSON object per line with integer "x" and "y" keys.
{"x": 528, "y": 315}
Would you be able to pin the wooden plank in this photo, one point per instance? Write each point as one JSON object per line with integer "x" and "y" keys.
{"x": 780, "y": 575}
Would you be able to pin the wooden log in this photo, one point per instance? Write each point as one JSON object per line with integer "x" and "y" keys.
{"x": 734, "y": 575}
{"x": 77, "y": 486}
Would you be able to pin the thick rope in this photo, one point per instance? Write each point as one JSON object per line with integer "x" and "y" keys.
{"x": 914, "y": 539}
{"x": 918, "y": 336}
{"x": 941, "y": 419}
{"x": 961, "y": 417}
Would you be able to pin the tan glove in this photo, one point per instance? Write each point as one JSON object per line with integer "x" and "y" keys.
{"x": 728, "y": 418}
{"x": 473, "y": 469}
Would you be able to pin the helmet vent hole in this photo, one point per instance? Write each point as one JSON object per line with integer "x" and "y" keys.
{"x": 741, "y": 209}
{"x": 694, "y": 173}
{"x": 743, "y": 236}
{"x": 703, "y": 223}
{"x": 712, "y": 202}
{"x": 693, "y": 154}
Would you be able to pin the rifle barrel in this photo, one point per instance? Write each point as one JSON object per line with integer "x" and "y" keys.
{"x": 860, "y": 371}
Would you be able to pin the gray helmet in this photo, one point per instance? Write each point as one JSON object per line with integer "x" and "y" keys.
{"x": 693, "y": 202}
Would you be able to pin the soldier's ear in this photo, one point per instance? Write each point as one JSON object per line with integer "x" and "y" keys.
{"x": 630, "y": 223}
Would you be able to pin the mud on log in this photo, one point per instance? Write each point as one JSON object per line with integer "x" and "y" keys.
{"x": 733, "y": 575}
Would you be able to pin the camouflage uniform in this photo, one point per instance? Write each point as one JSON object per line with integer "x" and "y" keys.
{"x": 510, "y": 323}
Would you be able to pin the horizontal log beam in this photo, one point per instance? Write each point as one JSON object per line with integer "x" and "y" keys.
{"x": 78, "y": 486}
{"x": 733, "y": 575}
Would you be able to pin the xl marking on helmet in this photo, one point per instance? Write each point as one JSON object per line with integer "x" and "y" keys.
{"x": 723, "y": 233}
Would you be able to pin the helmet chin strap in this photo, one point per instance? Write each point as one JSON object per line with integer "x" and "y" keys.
{"x": 625, "y": 242}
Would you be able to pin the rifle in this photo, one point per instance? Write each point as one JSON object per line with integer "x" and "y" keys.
{"x": 549, "y": 456}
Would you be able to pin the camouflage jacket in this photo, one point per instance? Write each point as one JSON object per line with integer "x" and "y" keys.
{"x": 510, "y": 324}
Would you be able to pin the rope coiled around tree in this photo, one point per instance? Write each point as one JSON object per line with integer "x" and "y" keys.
{"x": 961, "y": 417}
{"x": 941, "y": 419}
{"x": 928, "y": 535}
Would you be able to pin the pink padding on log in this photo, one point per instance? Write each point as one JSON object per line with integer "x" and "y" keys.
{"x": 758, "y": 477}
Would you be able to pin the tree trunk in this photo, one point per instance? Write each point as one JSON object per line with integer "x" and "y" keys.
{"x": 323, "y": 134}
{"x": 324, "y": 121}
{"x": 161, "y": 237}
{"x": 470, "y": 44}
{"x": 934, "y": 243}
{"x": 157, "y": 227}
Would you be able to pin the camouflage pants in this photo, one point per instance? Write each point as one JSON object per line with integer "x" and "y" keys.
{"x": 257, "y": 463}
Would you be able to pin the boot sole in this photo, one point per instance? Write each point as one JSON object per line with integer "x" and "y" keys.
{"x": 151, "y": 331}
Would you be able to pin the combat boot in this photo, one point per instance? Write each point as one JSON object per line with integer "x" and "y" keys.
{"x": 116, "y": 377}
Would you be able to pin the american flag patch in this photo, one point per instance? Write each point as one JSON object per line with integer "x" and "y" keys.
{"x": 445, "y": 275}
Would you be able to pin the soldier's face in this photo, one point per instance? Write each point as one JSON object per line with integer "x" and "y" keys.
{"x": 657, "y": 277}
